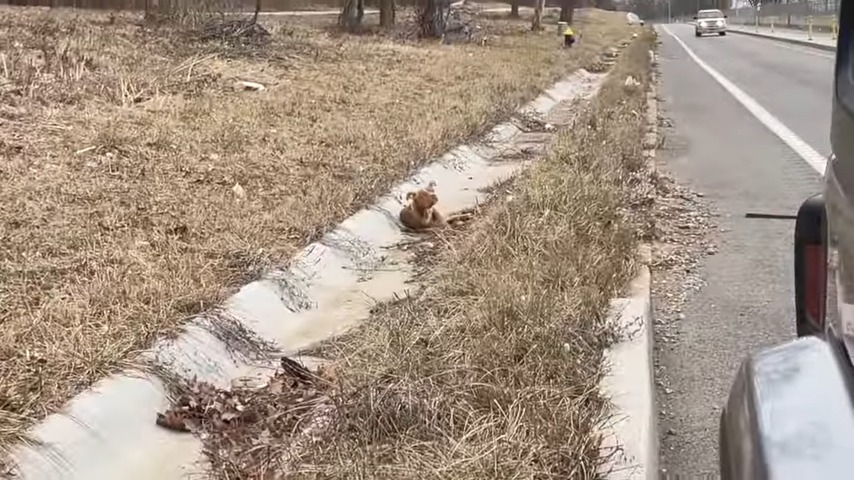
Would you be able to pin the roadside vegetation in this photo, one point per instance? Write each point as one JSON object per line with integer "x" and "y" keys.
{"x": 143, "y": 179}
{"x": 493, "y": 369}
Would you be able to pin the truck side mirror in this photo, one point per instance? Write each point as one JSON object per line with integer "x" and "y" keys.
{"x": 805, "y": 381}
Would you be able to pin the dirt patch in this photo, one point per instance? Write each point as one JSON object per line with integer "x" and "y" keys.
{"x": 684, "y": 236}
{"x": 493, "y": 370}
{"x": 142, "y": 181}
{"x": 685, "y": 233}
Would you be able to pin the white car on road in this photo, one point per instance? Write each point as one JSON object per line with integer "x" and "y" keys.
{"x": 709, "y": 21}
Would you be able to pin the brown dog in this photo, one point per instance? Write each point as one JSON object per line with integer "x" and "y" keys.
{"x": 421, "y": 212}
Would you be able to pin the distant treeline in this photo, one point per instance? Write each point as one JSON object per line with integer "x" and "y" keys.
{"x": 269, "y": 5}
{"x": 247, "y": 5}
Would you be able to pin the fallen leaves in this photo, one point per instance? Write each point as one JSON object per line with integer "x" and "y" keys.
{"x": 240, "y": 426}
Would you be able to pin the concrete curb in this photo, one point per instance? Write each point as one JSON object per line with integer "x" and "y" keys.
{"x": 630, "y": 441}
{"x": 793, "y": 41}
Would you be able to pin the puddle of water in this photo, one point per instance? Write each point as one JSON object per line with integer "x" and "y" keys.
{"x": 330, "y": 286}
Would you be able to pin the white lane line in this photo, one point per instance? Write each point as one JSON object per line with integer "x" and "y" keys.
{"x": 807, "y": 153}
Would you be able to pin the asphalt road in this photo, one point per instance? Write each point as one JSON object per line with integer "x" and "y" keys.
{"x": 719, "y": 148}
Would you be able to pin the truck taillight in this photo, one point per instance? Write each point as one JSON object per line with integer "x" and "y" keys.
{"x": 811, "y": 266}
{"x": 815, "y": 292}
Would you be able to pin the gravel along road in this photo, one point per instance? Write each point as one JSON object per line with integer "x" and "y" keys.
{"x": 746, "y": 125}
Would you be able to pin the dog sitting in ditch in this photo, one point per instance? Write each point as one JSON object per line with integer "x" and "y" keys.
{"x": 420, "y": 212}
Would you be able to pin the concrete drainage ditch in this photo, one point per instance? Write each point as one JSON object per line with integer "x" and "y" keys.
{"x": 109, "y": 432}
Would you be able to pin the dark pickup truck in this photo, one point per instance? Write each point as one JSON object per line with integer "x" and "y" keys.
{"x": 790, "y": 412}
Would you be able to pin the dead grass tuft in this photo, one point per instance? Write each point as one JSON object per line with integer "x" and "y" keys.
{"x": 140, "y": 187}
{"x": 495, "y": 371}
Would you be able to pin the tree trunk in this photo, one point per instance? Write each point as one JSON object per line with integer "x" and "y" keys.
{"x": 432, "y": 18}
{"x": 257, "y": 11}
{"x": 567, "y": 9}
{"x": 387, "y": 13}
{"x": 514, "y": 9}
{"x": 351, "y": 15}
{"x": 537, "y": 24}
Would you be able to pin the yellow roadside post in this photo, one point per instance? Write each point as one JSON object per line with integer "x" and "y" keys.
{"x": 834, "y": 28}
{"x": 809, "y": 28}
{"x": 568, "y": 37}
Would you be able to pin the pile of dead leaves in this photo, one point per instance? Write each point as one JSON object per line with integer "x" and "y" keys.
{"x": 250, "y": 432}
{"x": 243, "y": 31}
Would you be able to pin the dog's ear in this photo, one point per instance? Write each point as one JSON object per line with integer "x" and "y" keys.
{"x": 431, "y": 186}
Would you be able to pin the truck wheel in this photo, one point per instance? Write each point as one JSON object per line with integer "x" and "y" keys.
{"x": 697, "y": 34}
{"x": 722, "y": 34}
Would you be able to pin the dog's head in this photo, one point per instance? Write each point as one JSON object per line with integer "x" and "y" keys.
{"x": 422, "y": 200}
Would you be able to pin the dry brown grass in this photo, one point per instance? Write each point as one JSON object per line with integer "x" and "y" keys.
{"x": 122, "y": 147}
{"x": 494, "y": 371}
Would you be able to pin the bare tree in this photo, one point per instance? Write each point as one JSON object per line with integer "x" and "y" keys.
{"x": 432, "y": 17}
{"x": 567, "y": 11}
{"x": 514, "y": 9}
{"x": 537, "y": 23}
{"x": 164, "y": 7}
{"x": 257, "y": 11}
{"x": 351, "y": 15}
{"x": 387, "y": 13}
